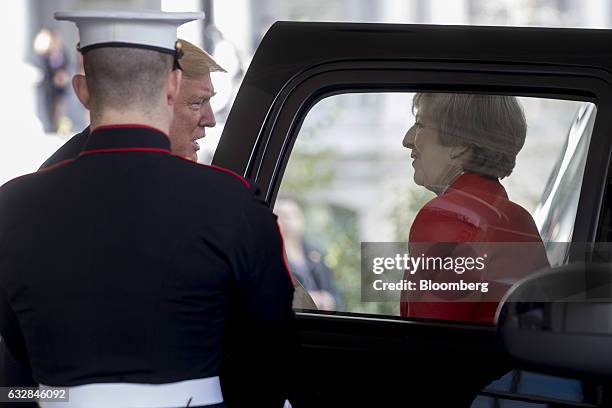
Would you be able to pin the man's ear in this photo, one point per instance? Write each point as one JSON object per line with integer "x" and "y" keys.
{"x": 79, "y": 84}
{"x": 173, "y": 86}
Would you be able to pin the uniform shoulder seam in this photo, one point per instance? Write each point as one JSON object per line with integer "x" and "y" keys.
{"x": 218, "y": 168}
{"x": 41, "y": 170}
{"x": 55, "y": 165}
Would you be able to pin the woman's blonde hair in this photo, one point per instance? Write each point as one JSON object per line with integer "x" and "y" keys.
{"x": 492, "y": 126}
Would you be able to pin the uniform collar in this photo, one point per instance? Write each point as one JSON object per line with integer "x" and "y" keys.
{"x": 123, "y": 137}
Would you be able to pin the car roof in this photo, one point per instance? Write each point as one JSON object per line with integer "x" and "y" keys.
{"x": 299, "y": 45}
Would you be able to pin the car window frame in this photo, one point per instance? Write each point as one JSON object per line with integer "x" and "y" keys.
{"x": 290, "y": 109}
{"x": 287, "y": 56}
{"x": 281, "y": 87}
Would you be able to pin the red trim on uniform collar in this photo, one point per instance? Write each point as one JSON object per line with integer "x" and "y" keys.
{"x": 56, "y": 165}
{"x": 126, "y": 149}
{"x": 123, "y": 137}
{"x": 127, "y": 126}
{"x": 218, "y": 168}
{"x": 223, "y": 169}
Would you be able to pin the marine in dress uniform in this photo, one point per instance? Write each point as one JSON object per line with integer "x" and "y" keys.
{"x": 126, "y": 271}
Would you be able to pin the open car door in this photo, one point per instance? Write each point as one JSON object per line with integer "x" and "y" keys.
{"x": 319, "y": 114}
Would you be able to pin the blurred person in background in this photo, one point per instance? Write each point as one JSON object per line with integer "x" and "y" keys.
{"x": 461, "y": 146}
{"x": 56, "y": 79}
{"x": 307, "y": 264}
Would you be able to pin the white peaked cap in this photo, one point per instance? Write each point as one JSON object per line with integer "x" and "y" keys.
{"x": 139, "y": 29}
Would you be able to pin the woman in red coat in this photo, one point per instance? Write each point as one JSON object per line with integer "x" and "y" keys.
{"x": 462, "y": 145}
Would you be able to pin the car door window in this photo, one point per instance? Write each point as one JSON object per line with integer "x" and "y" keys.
{"x": 349, "y": 180}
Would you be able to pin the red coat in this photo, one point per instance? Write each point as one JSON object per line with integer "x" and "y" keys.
{"x": 476, "y": 209}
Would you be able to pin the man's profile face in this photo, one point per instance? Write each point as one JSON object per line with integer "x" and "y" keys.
{"x": 192, "y": 114}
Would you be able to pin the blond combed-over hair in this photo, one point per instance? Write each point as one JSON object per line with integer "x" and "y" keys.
{"x": 196, "y": 62}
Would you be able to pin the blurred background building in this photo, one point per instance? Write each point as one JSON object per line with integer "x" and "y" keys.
{"x": 41, "y": 50}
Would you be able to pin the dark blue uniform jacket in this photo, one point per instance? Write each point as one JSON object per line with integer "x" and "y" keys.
{"x": 129, "y": 264}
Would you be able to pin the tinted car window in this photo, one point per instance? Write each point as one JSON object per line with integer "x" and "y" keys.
{"x": 349, "y": 180}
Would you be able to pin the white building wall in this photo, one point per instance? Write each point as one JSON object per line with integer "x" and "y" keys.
{"x": 191, "y": 31}
{"x": 448, "y": 12}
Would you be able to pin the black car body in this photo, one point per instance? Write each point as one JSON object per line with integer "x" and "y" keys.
{"x": 352, "y": 359}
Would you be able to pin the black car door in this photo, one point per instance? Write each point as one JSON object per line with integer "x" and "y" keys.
{"x": 369, "y": 356}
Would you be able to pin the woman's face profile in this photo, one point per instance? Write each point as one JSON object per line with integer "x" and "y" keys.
{"x": 431, "y": 160}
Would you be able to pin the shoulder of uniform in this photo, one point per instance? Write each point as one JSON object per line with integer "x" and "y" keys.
{"x": 68, "y": 150}
{"x": 218, "y": 169}
{"x": 14, "y": 186}
{"x": 244, "y": 181}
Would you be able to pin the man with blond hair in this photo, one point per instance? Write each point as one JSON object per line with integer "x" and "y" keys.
{"x": 192, "y": 113}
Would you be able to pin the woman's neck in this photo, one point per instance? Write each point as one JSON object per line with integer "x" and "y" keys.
{"x": 448, "y": 178}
